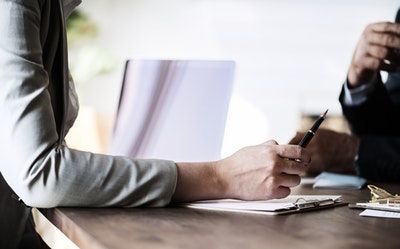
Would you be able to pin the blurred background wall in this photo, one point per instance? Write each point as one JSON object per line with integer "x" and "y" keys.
{"x": 292, "y": 57}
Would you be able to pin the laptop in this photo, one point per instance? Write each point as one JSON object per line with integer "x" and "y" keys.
{"x": 173, "y": 109}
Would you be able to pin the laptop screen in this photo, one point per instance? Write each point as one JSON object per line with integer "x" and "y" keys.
{"x": 173, "y": 109}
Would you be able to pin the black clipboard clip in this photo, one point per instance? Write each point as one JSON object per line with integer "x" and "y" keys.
{"x": 302, "y": 203}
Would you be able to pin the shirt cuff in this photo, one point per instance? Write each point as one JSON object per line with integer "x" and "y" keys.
{"x": 357, "y": 96}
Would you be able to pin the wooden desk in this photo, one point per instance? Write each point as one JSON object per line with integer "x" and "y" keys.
{"x": 173, "y": 227}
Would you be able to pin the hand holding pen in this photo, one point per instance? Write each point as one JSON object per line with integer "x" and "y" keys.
{"x": 330, "y": 150}
{"x": 311, "y": 132}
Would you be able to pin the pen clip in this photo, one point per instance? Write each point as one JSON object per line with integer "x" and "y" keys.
{"x": 302, "y": 203}
{"x": 311, "y": 132}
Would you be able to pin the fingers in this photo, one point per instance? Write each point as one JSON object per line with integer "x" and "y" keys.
{"x": 293, "y": 152}
{"x": 263, "y": 171}
{"x": 374, "y": 64}
{"x": 379, "y": 52}
{"x": 374, "y": 52}
{"x": 385, "y": 27}
{"x": 379, "y": 45}
{"x": 281, "y": 184}
{"x": 287, "y": 180}
{"x": 288, "y": 159}
{"x": 297, "y": 138}
{"x": 389, "y": 40}
{"x": 270, "y": 142}
{"x": 293, "y": 166}
{"x": 281, "y": 192}
{"x": 286, "y": 171}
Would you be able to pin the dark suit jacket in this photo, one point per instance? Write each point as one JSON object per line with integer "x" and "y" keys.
{"x": 14, "y": 217}
{"x": 377, "y": 123}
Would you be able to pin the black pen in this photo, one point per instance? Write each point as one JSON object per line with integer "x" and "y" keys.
{"x": 311, "y": 132}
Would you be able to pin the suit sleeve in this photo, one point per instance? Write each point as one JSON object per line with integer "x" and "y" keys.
{"x": 377, "y": 124}
{"x": 378, "y": 115}
{"x": 41, "y": 171}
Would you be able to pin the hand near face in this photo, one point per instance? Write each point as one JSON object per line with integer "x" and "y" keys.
{"x": 330, "y": 151}
{"x": 375, "y": 51}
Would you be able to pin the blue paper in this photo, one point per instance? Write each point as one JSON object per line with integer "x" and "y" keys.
{"x": 338, "y": 181}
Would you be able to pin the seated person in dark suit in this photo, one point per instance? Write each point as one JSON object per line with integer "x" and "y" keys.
{"x": 372, "y": 109}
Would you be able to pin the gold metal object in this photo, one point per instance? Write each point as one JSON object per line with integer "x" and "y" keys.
{"x": 381, "y": 196}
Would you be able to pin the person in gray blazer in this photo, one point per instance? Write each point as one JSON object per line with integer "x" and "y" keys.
{"x": 38, "y": 105}
{"x": 372, "y": 109}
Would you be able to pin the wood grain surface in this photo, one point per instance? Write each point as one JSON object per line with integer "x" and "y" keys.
{"x": 175, "y": 227}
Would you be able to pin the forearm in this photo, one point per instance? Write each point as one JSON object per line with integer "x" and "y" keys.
{"x": 257, "y": 172}
{"x": 197, "y": 181}
{"x": 66, "y": 177}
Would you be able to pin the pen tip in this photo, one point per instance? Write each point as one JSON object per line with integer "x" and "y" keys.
{"x": 323, "y": 115}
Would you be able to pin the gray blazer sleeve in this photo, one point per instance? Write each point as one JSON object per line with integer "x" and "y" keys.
{"x": 41, "y": 171}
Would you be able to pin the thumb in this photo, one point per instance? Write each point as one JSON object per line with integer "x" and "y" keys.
{"x": 270, "y": 142}
{"x": 296, "y": 139}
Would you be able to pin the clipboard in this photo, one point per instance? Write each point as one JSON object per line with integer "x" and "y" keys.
{"x": 289, "y": 205}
